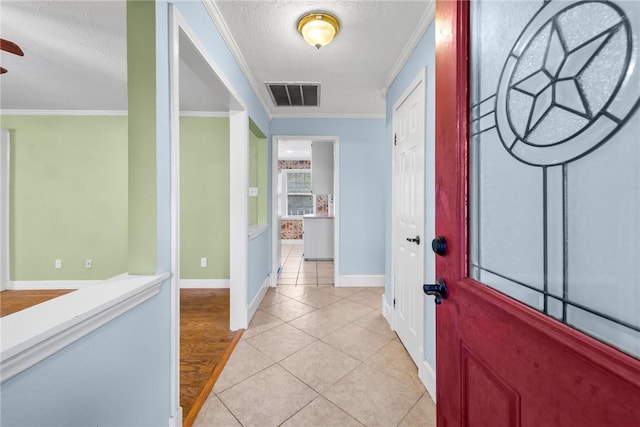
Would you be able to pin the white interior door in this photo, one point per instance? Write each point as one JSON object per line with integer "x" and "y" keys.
{"x": 409, "y": 239}
{"x": 4, "y": 208}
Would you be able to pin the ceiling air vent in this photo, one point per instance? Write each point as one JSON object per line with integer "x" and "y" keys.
{"x": 290, "y": 94}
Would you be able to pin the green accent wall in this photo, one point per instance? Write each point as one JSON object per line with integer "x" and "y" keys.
{"x": 68, "y": 196}
{"x": 141, "y": 91}
{"x": 204, "y": 197}
{"x": 258, "y": 167}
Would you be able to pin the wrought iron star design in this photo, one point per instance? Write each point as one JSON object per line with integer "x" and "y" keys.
{"x": 557, "y": 83}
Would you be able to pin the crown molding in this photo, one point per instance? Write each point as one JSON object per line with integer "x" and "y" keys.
{"x": 428, "y": 16}
{"x": 221, "y": 24}
{"x": 64, "y": 112}
{"x": 327, "y": 116}
{"x": 204, "y": 114}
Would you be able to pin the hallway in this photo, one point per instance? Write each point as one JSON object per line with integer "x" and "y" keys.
{"x": 318, "y": 356}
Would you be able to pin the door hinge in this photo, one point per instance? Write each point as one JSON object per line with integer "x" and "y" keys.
{"x": 394, "y": 303}
{"x": 395, "y": 139}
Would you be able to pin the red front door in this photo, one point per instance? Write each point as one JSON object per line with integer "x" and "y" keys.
{"x": 529, "y": 359}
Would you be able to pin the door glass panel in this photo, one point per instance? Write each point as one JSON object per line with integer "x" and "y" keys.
{"x": 555, "y": 160}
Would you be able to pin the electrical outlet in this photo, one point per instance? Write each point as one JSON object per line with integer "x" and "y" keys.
{"x": 58, "y": 263}
{"x": 253, "y": 191}
{"x": 203, "y": 262}
{"x": 88, "y": 263}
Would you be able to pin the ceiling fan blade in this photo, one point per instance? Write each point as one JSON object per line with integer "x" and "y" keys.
{"x": 3, "y": 70}
{"x": 10, "y": 47}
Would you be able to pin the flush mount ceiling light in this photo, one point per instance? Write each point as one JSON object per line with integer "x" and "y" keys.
{"x": 318, "y": 28}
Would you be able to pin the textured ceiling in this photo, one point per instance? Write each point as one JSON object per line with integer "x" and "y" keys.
{"x": 75, "y": 54}
{"x": 353, "y": 69}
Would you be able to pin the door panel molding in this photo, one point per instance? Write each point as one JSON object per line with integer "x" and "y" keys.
{"x": 553, "y": 359}
{"x": 606, "y": 357}
{"x": 486, "y": 398}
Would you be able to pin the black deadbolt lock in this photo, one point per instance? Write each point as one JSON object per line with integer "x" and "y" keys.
{"x": 439, "y": 245}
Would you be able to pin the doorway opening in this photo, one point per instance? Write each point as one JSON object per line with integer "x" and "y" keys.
{"x": 209, "y": 125}
{"x": 305, "y": 211}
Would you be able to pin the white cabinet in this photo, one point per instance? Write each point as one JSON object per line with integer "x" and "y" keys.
{"x": 322, "y": 167}
{"x": 318, "y": 237}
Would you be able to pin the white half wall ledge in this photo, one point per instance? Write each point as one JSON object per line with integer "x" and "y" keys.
{"x": 360, "y": 281}
{"x": 33, "y": 334}
{"x": 257, "y": 229}
{"x": 204, "y": 283}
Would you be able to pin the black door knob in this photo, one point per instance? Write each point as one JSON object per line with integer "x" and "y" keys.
{"x": 416, "y": 240}
{"x": 438, "y": 290}
{"x": 439, "y": 245}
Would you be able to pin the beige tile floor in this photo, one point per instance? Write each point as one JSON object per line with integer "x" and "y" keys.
{"x": 315, "y": 355}
{"x": 297, "y": 271}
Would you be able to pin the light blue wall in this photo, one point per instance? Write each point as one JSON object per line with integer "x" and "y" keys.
{"x": 363, "y": 188}
{"x": 260, "y": 248}
{"x": 422, "y": 56}
{"x": 198, "y": 20}
{"x": 116, "y": 376}
{"x": 259, "y": 263}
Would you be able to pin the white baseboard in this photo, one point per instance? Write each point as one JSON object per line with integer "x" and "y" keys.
{"x": 291, "y": 241}
{"x": 355, "y": 281}
{"x": 204, "y": 283}
{"x": 386, "y": 311}
{"x": 176, "y": 420}
{"x": 428, "y": 377}
{"x": 40, "y": 285}
{"x": 253, "y": 307}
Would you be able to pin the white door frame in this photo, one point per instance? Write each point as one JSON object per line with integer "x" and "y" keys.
{"x": 239, "y": 201}
{"x": 275, "y": 218}
{"x": 426, "y": 372}
{"x": 275, "y": 239}
{"x": 5, "y": 179}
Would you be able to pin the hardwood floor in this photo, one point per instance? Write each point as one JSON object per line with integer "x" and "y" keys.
{"x": 204, "y": 339}
{"x": 13, "y": 301}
